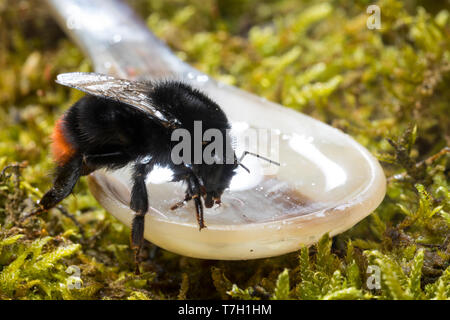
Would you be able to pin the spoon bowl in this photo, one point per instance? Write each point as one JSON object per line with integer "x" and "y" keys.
{"x": 326, "y": 182}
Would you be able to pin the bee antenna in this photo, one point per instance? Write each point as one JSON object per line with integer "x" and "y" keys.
{"x": 240, "y": 164}
{"x": 258, "y": 156}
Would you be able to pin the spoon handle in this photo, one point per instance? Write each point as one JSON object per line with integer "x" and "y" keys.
{"x": 116, "y": 40}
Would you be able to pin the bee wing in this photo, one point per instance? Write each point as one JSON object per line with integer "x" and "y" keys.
{"x": 133, "y": 93}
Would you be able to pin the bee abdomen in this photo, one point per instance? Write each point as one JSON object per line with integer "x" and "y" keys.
{"x": 62, "y": 149}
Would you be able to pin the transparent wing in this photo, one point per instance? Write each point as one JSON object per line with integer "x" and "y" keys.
{"x": 133, "y": 93}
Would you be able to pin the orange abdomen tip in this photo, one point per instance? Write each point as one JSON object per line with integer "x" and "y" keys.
{"x": 62, "y": 150}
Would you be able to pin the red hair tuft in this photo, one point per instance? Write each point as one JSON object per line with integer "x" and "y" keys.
{"x": 62, "y": 150}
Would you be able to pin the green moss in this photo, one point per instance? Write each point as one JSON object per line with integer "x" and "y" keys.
{"x": 387, "y": 88}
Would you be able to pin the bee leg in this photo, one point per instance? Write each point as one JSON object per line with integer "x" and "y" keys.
{"x": 139, "y": 204}
{"x": 199, "y": 212}
{"x": 103, "y": 159}
{"x": 92, "y": 162}
{"x": 67, "y": 176}
{"x": 181, "y": 203}
{"x": 194, "y": 190}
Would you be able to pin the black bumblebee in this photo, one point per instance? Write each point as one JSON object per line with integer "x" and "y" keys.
{"x": 120, "y": 122}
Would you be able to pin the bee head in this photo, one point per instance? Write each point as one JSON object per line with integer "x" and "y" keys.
{"x": 215, "y": 178}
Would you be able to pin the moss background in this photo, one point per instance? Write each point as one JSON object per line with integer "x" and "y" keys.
{"x": 388, "y": 88}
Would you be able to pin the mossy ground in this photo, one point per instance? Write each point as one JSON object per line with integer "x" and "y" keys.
{"x": 388, "y": 88}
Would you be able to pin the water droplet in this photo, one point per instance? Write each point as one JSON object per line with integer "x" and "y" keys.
{"x": 202, "y": 78}
{"x": 73, "y": 22}
{"x": 117, "y": 38}
{"x": 146, "y": 159}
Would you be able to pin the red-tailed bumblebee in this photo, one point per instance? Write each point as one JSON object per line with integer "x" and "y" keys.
{"x": 121, "y": 122}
